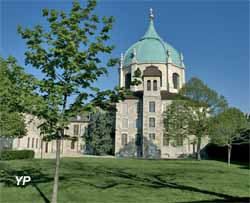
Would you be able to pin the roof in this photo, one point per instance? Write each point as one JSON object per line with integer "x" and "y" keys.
{"x": 151, "y": 49}
{"x": 152, "y": 71}
{"x": 165, "y": 95}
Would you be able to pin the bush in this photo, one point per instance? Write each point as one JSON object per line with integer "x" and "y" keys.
{"x": 16, "y": 154}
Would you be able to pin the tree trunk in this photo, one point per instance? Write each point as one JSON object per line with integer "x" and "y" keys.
{"x": 56, "y": 175}
{"x": 199, "y": 149}
{"x": 229, "y": 149}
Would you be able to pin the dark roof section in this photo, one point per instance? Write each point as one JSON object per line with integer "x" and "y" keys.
{"x": 165, "y": 95}
{"x": 134, "y": 95}
{"x": 80, "y": 118}
{"x": 152, "y": 71}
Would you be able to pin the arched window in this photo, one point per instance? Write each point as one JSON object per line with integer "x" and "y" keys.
{"x": 155, "y": 85}
{"x": 149, "y": 85}
{"x": 127, "y": 80}
{"x": 176, "y": 81}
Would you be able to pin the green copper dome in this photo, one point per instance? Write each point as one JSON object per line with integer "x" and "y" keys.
{"x": 151, "y": 49}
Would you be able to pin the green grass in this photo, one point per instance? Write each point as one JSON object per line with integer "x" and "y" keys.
{"x": 125, "y": 180}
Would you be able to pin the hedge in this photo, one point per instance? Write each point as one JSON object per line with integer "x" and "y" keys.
{"x": 16, "y": 154}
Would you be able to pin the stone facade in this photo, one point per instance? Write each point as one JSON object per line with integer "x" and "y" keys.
{"x": 139, "y": 118}
{"x": 46, "y": 149}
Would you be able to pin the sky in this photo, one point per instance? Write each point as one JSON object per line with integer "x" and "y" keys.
{"x": 212, "y": 35}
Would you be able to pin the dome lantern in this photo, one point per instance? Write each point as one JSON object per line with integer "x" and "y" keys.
{"x": 151, "y": 48}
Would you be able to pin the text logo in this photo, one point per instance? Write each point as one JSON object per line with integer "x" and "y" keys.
{"x": 23, "y": 179}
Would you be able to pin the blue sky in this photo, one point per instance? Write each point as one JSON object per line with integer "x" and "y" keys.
{"x": 212, "y": 35}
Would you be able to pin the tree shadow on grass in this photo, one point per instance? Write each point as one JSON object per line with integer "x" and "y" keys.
{"x": 9, "y": 180}
{"x": 231, "y": 200}
{"x": 112, "y": 177}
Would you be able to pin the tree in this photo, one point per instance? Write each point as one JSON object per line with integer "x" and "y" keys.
{"x": 68, "y": 54}
{"x": 199, "y": 103}
{"x": 227, "y": 129}
{"x": 99, "y": 133}
{"x": 176, "y": 119}
{"x": 16, "y": 93}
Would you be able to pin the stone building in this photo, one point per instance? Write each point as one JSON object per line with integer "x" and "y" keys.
{"x": 139, "y": 121}
{"x": 73, "y": 146}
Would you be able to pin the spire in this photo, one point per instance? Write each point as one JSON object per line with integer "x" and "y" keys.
{"x": 151, "y": 33}
{"x": 151, "y": 15}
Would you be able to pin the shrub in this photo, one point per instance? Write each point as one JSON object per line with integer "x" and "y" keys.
{"x": 16, "y": 154}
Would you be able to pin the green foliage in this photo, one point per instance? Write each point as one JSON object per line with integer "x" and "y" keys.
{"x": 227, "y": 127}
{"x": 68, "y": 54}
{"x": 16, "y": 96}
{"x": 176, "y": 119}
{"x": 199, "y": 105}
{"x": 16, "y": 154}
{"x": 201, "y": 96}
{"x": 12, "y": 124}
{"x": 137, "y": 77}
{"x": 99, "y": 135}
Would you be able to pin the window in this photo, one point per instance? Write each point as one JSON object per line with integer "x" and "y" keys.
{"x": 124, "y": 139}
{"x": 139, "y": 107}
{"x": 138, "y": 140}
{"x": 72, "y": 146}
{"x": 138, "y": 123}
{"x": 46, "y": 147}
{"x": 125, "y": 109}
{"x": 28, "y": 143}
{"x": 76, "y": 129}
{"x": 36, "y": 143}
{"x": 155, "y": 85}
{"x": 148, "y": 85}
{"x": 124, "y": 123}
{"x": 176, "y": 80}
{"x": 127, "y": 80}
{"x": 166, "y": 140}
{"x": 32, "y": 143}
{"x": 152, "y": 136}
{"x": 179, "y": 140}
{"x": 151, "y": 106}
{"x": 151, "y": 122}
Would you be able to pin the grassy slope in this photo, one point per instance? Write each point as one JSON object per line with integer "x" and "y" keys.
{"x": 127, "y": 180}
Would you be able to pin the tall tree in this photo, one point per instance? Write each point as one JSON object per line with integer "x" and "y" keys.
{"x": 228, "y": 128}
{"x": 68, "y": 54}
{"x": 204, "y": 103}
{"x": 99, "y": 133}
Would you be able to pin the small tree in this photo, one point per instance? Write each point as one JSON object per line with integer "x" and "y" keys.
{"x": 228, "y": 128}
{"x": 16, "y": 92}
{"x": 99, "y": 134}
{"x": 68, "y": 54}
{"x": 176, "y": 119}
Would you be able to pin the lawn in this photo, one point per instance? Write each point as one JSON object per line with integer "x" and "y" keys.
{"x": 126, "y": 180}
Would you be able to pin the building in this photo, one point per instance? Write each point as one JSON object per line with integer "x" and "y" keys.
{"x": 139, "y": 121}
{"x": 72, "y": 146}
